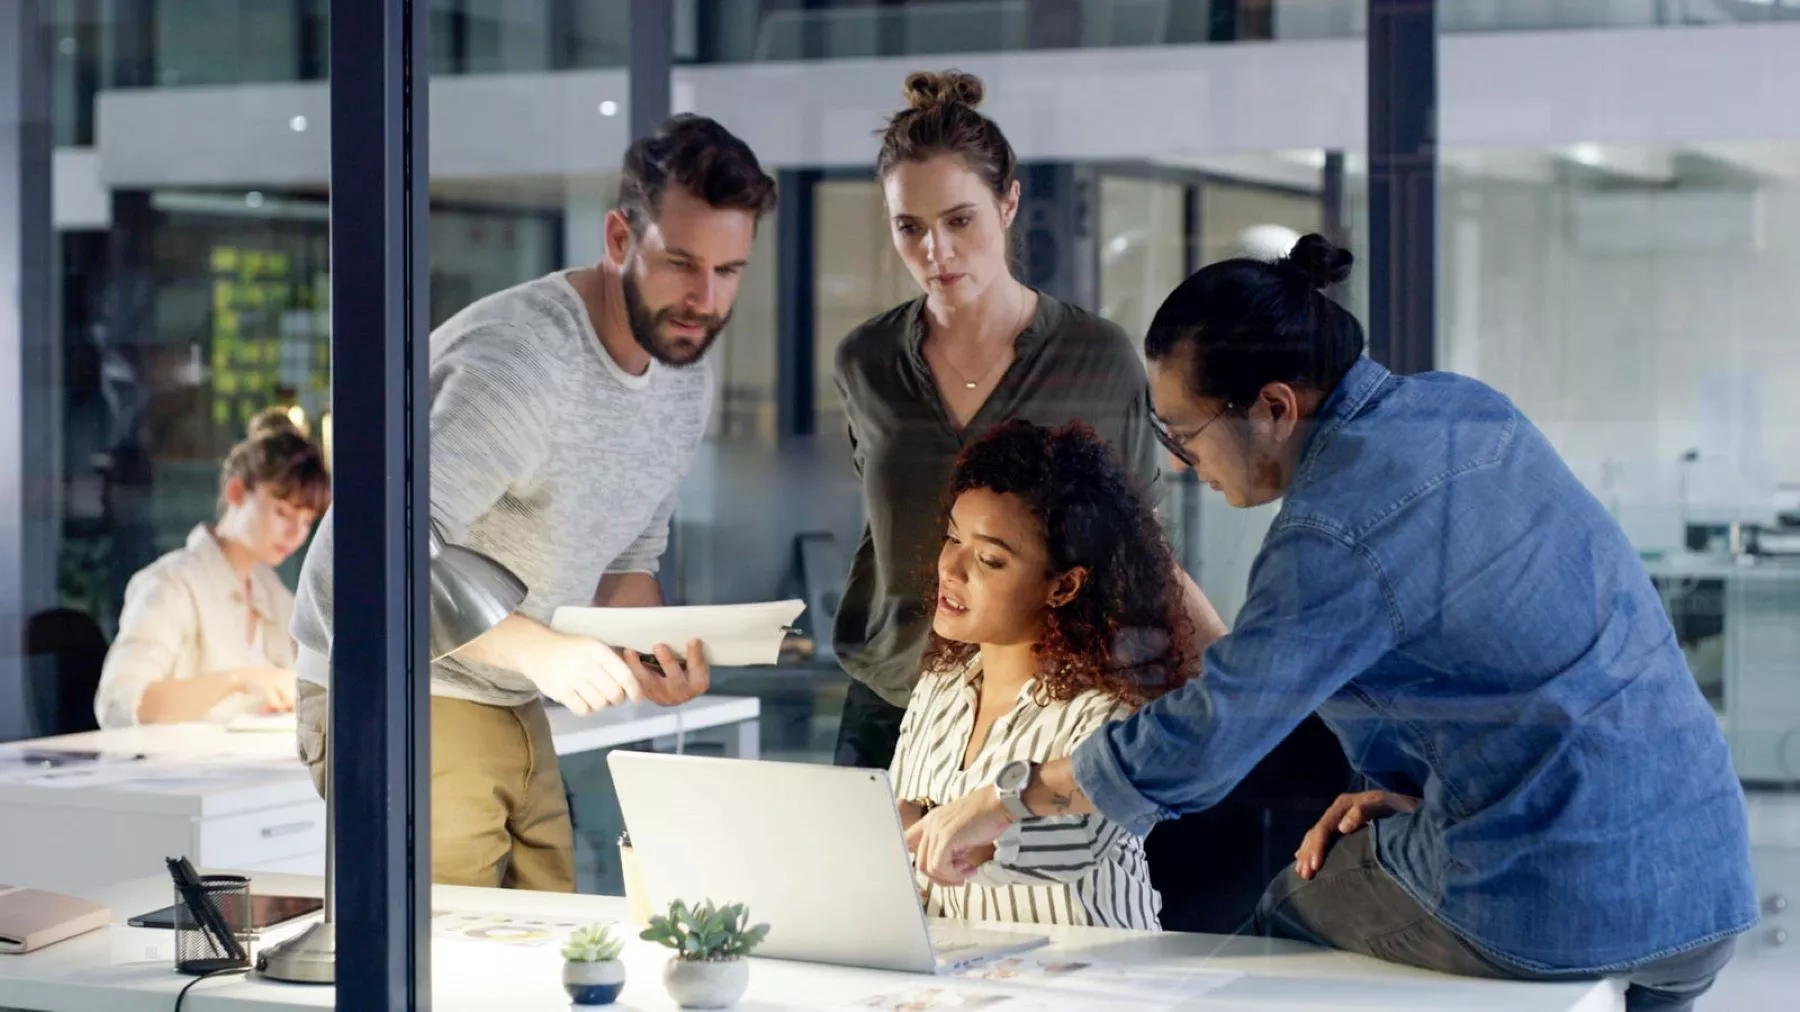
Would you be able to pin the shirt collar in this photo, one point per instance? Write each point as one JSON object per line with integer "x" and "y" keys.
{"x": 970, "y": 677}
{"x": 1353, "y": 392}
{"x": 1044, "y": 319}
{"x": 205, "y": 545}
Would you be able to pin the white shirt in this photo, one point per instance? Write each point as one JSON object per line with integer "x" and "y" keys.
{"x": 1062, "y": 869}
{"x": 186, "y": 614}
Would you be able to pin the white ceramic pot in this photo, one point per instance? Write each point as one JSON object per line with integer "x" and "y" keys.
{"x": 702, "y": 984}
{"x": 595, "y": 983}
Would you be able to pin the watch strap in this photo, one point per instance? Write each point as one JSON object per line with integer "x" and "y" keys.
{"x": 1015, "y": 806}
{"x": 1014, "y": 800}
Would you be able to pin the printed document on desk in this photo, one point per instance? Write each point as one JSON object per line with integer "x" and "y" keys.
{"x": 735, "y": 635}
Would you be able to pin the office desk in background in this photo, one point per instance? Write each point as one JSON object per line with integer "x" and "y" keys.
{"x": 243, "y": 799}
{"x": 1760, "y": 615}
{"x": 95, "y": 973}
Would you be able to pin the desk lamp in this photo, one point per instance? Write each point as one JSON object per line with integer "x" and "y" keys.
{"x": 470, "y": 594}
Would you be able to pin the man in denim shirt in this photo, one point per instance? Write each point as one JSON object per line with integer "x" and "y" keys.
{"x": 1554, "y": 797}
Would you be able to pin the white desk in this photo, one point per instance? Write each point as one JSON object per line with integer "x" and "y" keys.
{"x": 96, "y": 973}
{"x": 1761, "y": 616}
{"x": 243, "y": 799}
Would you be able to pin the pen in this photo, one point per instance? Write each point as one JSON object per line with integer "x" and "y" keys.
{"x": 206, "y": 913}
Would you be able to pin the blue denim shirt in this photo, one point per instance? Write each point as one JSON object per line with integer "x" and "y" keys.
{"x": 1479, "y": 633}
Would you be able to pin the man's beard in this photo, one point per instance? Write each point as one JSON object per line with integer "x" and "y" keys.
{"x": 646, "y": 328}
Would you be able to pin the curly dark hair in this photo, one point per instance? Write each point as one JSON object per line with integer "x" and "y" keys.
{"x": 1128, "y": 632}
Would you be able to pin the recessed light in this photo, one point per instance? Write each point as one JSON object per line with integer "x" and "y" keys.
{"x": 297, "y": 124}
{"x": 253, "y": 199}
{"x": 609, "y": 108}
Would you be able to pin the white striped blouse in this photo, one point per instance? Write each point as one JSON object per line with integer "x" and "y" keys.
{"x": 1064, "y": 869}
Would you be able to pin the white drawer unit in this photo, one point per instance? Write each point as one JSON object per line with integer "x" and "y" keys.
{"x": 240, "y": 800}
{"x": 68, "y": 849}
{"x": 1764, "y": 973}
{"x": 257, "y": 838}
{"x": 1777, "y": 937}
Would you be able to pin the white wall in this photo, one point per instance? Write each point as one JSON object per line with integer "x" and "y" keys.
{"x": 1605, "y": 332}
{"x": 1644, "y": 85}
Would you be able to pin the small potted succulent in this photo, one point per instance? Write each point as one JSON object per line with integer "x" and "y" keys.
{"x": 710, "y": 943}
{"x": 592, "y": 973}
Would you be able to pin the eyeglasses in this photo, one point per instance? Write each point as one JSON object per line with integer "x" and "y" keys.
{"x": 1178, "y": 447}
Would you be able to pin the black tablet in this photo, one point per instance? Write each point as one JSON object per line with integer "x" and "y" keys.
{"x": 265, "y": 912}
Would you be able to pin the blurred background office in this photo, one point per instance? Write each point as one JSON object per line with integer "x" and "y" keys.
{"x": 1612, "y": 216}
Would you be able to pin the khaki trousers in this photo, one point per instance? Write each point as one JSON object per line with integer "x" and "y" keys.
{"x": 498, "y": 813}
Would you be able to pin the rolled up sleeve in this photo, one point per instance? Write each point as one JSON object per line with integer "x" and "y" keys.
{"x": 157, "y": 624}
{"x": 1317, "y": 615}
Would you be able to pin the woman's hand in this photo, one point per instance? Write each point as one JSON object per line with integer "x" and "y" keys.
{"x": 273, "y": 688}
{"x": 910, "y": 812}
{"x": 1349, "y": 813}
{"x": 952, "y": 840}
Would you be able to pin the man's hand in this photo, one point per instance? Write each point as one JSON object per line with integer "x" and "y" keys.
{"x": 675, "y": 683}
{"x": 952, "y": 840}
{"x": 1349, "y": 813}
{"x": 582, "y": 674}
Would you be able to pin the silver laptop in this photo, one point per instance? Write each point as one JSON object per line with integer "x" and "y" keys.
{"x": 815, "y": 852}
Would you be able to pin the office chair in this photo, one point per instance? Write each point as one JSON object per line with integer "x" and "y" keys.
{"x": 65, "y": 651}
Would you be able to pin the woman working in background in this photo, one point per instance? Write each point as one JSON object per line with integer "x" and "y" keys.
{"x": 1058, "y": 609}
{"x": 204, "y": 632}
{"x": 924, "y": 379}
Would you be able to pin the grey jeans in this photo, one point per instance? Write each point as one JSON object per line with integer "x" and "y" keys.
{"x": 1354, "y": 905}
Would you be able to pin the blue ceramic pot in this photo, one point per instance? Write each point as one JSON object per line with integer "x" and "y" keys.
{"x": 594, "y": 983}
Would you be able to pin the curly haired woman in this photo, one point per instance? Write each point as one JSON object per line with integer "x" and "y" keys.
{"x": 1058, "y": 608}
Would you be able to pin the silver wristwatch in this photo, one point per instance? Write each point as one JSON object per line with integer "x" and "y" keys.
{"x": 1010, "y": 784}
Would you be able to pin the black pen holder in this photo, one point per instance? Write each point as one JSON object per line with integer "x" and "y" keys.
{"x": 198, "y": 949}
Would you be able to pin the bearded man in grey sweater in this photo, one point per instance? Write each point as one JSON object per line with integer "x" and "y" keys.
{"x": 565, "y": 413}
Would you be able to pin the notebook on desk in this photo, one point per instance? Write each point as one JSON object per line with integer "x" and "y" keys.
{"x": 33, "y": 918}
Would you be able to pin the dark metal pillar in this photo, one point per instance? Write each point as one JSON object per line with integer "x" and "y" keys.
{"x": 128, "y": 332}
{"x": 796, "y": 327}
{"x": 1057, "y": 231}
{"x": 28, "y": 464}
{"x": 380, "y": 702}
{"x": 1331, "y": 198}
{"x": 651, "y": 64}
{"x": 1403, "y": 183}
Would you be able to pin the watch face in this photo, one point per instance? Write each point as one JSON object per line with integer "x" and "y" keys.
{"x": 1012, "y": 776}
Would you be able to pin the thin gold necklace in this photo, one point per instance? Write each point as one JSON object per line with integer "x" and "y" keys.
{"x": 973, "y": 384}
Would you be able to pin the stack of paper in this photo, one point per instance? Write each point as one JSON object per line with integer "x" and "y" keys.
{"x": 734, "y": 635}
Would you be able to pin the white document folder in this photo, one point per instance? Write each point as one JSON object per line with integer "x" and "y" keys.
{"x": 735, "y": 635}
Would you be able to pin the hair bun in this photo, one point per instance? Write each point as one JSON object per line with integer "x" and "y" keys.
{"x": 1318, "y": 260}
{"x": 926, "y": 89}
{"x": 272, "y": 422}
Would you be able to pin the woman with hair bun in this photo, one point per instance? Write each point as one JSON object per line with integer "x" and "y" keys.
{"x": 925, "y": 379}
{"x": 1549, "y": 795}
{"x": 204, "y": 631}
